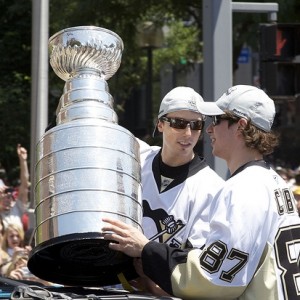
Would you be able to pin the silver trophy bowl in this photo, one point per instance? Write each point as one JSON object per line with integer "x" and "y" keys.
{"x": 87, "y": 167}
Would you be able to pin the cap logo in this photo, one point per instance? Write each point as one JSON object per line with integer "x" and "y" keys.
{"x": 255, "y": 106}
{"x": 192, "y": 103}
{"x": 240, "y": 113}
{"x": 230, "y": 90}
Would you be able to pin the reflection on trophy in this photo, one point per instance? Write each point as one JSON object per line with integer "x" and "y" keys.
{"x": 87, "y": 167}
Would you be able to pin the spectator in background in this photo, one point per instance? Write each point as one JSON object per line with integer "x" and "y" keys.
{"x": 283, "y": 173}
{"x": 13, "y": 239}
{"x": 17, "y": 249}
{"x": 12, "y": 245}
{"x": 287, "y": 174}
{"x": 11, "y": 209}
{"x": 2, "y": 230}
{"x": 4, "y": 257}
{"x": 18, "y": 253}
{"x": 23, "y": 189}
{"x": 296, "y": 191}
{"x": 296, "y": 184}
{"x": 6, "y": 203}
{"x": 18, "y": 266}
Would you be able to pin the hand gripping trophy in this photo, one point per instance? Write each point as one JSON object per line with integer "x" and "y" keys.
{"x": 87, "y": 166}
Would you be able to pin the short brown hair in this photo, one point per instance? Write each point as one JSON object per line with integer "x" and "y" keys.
{"x": 256, "y": 138}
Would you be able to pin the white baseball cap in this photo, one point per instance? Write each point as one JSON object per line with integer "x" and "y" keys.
{"x": 249, "y": 102}
{"x": 186, "y": 98}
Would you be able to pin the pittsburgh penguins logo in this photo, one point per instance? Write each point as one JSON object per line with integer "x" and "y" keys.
{"x": 166, "y": 227}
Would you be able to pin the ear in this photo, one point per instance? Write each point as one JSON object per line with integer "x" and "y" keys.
{"x": 242, "y": 123}
{"x": 160, "y": 125}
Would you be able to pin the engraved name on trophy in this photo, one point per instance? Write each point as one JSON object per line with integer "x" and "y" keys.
{"x": 87, "y": 166}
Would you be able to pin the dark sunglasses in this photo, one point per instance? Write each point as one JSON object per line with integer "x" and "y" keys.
{"x": 182, "y": 123}
{"x": 216, "y": 120}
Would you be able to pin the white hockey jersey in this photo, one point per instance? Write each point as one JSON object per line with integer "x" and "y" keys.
{"x": 251, "y": 251}
{"x": 175, "y": 210}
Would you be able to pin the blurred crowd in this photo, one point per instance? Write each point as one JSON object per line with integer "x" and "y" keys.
{"x": 16, "y": 234}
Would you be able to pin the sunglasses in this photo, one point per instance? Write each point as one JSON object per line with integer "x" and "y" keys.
{"x": 216, "y": 120}
{"x": 182, "y": 123}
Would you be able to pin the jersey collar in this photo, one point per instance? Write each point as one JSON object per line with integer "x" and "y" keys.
{"x": 260, "y": 163}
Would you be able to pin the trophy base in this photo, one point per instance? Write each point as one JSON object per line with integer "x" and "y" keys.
{"x": 81, "y": 259}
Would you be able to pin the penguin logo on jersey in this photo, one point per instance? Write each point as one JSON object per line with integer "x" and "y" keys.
{"x": 166, "y": 226}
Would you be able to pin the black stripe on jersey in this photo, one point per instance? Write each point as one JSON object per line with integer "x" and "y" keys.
{"x": 166, "y": 259}
{"x": 179, "y": 174}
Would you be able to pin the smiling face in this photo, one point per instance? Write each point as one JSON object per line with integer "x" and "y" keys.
{"x": 178, "y": 144}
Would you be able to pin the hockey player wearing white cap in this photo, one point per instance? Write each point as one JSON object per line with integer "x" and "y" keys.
{"x": 252, "y": 248}
{"x": 177, "y": 184}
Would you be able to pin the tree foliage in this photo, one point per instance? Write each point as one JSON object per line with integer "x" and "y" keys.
{"x": 15, "y": 51}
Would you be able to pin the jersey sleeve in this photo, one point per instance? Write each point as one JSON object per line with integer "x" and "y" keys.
{"x": 146, "y": 150}
{"x": 165, "y": 258}
{"x": 178, "y": 272}
{"x": 144, "y": 147}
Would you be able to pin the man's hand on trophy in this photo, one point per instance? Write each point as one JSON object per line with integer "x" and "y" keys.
{"x": 124, "y": 237}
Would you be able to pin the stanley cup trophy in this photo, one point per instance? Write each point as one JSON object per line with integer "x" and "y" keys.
{"x": 87, "y": 167}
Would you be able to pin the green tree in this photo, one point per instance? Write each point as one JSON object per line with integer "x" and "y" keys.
{"x": 15, "y": 51}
